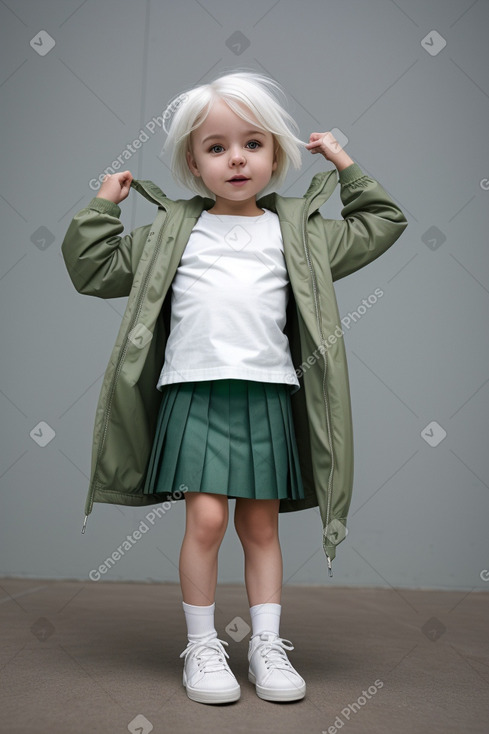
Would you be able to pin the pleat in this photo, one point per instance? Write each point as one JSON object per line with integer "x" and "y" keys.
{"x": 231, "y": 437}
{"x": 295, "y": 488}
{"x": 215, "y": 466}
{"x": 190, "y": 447}
{"x": 278, "y": 434}
{"x": 165, "y": 410}
{"x": 241, "y": 478}
{"x": 261, "y": 440}
{"x": 298, "y": 488}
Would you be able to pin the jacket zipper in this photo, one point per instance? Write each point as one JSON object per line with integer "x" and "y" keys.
{"x": 325, "y": 399}
{"x": 122, "y": 354}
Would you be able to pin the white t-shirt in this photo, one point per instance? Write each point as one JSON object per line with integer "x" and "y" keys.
{"x": 228, "y": 304}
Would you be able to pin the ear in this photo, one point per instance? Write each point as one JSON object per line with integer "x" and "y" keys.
{"x": 192, "y": 164}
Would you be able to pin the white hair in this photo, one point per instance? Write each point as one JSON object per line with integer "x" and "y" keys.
{"x": 256, "y": 92}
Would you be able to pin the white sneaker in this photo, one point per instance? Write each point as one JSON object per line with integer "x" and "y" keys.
{"x": 271, "y": 671}
{"x": 206, "y": 674}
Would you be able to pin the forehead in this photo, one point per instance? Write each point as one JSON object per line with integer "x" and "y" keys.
{"x": 222, "y": 119}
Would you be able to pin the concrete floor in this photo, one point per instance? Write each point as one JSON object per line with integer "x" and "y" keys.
{"x": 79, "y": 658}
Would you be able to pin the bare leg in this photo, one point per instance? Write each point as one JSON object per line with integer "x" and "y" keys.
{"x": 206, "y": 523}
{"x": 256, "y": 523}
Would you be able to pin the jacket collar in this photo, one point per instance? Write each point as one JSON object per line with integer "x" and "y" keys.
{"x": 319, "y": 191}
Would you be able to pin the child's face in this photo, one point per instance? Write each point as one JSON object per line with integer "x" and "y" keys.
{"x": 225, "y": 146}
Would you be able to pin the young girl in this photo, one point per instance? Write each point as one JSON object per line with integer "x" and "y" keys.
{"x": 229, "y": 377}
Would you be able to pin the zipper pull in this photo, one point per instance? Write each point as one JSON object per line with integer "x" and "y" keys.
{"x": 84, "y": 523}
{"x": 330, "y": 570}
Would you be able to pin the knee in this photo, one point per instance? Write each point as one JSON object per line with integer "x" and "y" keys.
{"x": 208, "y": 525}
{"x": 261, "y": 533}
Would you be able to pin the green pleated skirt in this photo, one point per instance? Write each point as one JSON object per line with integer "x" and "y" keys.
{"x": 230, "y": 437}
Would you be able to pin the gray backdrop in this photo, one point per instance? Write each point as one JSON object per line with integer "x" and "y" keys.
{"x": 406, "y": 82}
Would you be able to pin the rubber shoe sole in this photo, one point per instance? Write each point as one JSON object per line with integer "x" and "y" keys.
{"x": 195, "y": 694}
{"x": 272, "y": 694}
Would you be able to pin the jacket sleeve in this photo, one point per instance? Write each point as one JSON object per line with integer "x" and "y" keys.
{"x": 100, "y": 262}
{"x": 371, "y": 223}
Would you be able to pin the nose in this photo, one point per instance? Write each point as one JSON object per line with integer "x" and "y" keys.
{"x": 236, "y": 156}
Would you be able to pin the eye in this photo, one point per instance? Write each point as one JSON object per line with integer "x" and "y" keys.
{"x": 211, "y": 149}
{"x": 254, "y": 142}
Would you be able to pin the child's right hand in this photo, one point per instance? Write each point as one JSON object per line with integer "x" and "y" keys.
{"x": 116, "y": 187}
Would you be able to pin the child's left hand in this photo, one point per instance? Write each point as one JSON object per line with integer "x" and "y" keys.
{"x": 328, "y": 146}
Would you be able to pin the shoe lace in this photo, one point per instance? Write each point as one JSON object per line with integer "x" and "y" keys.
{"x": 273, "y": 652}
{"x": 208, "y": 654}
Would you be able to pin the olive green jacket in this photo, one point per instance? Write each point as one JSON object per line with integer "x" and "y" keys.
{"x": 142, "y": 265}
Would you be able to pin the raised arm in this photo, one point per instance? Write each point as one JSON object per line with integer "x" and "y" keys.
{"x": 100, "y": 262}
{"x": 371, "y": 221}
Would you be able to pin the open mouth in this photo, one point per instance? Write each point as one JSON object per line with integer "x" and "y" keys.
{"x": 238, "y": 179}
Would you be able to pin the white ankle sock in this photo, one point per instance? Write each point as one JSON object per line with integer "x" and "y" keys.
{"x": 265, "y": 618}
{"x": 200, "y": 621}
